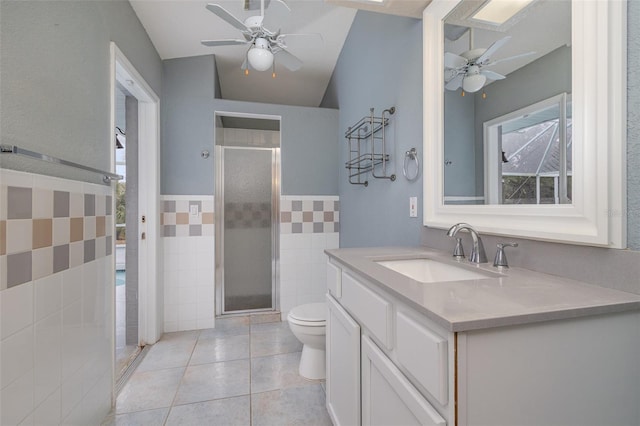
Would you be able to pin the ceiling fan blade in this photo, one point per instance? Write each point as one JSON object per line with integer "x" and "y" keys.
{"x": 284, "y": 4}
{"x": 522, "y": 55}
{"x": 492, "y": 75}
{"x": 450, "y": 74}
{"x": 288, "y": 60}
{"x": 491, "y": 50}
{"x": 280, "y": 40}
{"x": 226, "y": 16}
{"x": 451, "y": 60}
{"x": 455, "y": 83}
{"x": 314, "y": 35}
{"x": 228, "y": 42}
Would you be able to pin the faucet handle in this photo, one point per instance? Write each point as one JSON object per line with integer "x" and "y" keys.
{"x": 458, "y": 252}
{"x": 501, "y": 258}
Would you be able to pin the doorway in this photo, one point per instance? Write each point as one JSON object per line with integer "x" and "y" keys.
{"x": 135, "y": 156}
{"x": 126, "y": 244}
{"x": 247, "y": 209}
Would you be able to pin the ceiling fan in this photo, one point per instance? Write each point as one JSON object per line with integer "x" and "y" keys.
{"x": 264, "y": 44}
{"x": 467, "y": 70}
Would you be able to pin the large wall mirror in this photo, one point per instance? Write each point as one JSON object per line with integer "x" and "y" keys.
{"x": 525, "y": 121}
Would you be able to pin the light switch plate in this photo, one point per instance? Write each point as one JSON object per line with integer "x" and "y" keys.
{"x": 413, "y": 206}
{"x": 193, "y": 209}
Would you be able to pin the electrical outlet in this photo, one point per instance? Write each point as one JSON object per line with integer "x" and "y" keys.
{"x": 413, "y": 206}
{"x": 193, "y": 209}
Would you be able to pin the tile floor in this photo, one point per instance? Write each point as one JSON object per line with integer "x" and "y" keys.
{"x": 243, "y": 372}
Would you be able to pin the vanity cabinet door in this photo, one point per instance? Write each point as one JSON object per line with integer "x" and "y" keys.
{"x": 334, "y": 280}
{"x": 388, "y": 398}
{"x": 343, "y": 366}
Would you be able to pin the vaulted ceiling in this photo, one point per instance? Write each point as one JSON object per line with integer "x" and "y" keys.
{"x": 176, "y": 28}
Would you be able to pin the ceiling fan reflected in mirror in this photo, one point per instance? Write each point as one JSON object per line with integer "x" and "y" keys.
{"x": 468, "y": 70}
{"x": 265, "y": 46}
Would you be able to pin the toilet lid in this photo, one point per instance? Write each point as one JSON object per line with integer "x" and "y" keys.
{"x": 311, "y": 312}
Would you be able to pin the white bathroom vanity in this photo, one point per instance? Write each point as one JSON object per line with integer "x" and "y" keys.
{"x": 512, "y": 347}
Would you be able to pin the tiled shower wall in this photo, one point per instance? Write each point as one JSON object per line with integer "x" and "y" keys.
{"x": 308, "y": 226}
{"x": 189, "y": 291}
{"x": 55, "y": 300}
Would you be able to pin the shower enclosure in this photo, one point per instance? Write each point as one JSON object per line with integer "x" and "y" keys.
{"x": 247, "y": 157}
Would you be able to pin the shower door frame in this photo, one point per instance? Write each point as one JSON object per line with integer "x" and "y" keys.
{"x": 219, "y": 216}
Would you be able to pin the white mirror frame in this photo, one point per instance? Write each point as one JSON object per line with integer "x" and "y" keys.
{"x": 598, "y": 214}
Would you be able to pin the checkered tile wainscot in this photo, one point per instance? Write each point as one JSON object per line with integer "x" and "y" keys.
{"x": 309, "y": 214}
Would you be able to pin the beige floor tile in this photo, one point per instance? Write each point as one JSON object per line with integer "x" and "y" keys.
{"x": 277, "y": 372}
{"x": 214, "y": 381}
{"x": 292, "y": 406}
{"x": 168, "y": 354}
{"x": 148, "y": 390}
{"x": 265, "y": 318}
{"x": 223, "y": 412}
{"x": 273, "y": 339}
{"x": 230, "y": 326}
{"x": 226, "y": 348}
{"x": 269, "y": 327}
{"x": 214, "y": 388}
{"x": 180, "y": 336}
{"x": 147, "y": 418}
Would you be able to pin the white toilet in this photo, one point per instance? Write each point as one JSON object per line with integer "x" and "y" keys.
{"x": 308, "y": 324}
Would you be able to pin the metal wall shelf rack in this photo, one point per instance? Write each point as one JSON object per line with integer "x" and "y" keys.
{"x": 368, "y": 148}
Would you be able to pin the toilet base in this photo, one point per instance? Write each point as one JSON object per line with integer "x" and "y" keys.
{"x": 312, "y": 363}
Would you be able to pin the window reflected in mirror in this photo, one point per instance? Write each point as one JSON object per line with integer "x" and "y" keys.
{"x": 531, "y": 151}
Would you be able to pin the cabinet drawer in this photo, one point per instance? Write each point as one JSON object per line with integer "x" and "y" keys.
{"x": 334, "y": 280}
{"x": 424, "y": 354}
{"x": 371, "y": 310}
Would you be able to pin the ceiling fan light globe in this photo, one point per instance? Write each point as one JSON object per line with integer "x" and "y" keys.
{"x": 260, "y": 59}
{"x": 473, "y": 83}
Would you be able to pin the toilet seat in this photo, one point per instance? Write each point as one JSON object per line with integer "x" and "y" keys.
{"x": 309, "y": 315}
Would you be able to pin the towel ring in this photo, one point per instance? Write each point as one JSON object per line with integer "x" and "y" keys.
{"x": 412, "y": 154}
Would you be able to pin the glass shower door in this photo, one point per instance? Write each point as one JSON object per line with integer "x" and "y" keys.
{"x": 248, "y": 229}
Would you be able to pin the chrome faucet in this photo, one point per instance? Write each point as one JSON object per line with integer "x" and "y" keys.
{"x": 477, "y": 251}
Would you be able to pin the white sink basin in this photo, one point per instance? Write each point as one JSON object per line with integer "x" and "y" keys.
{"x": 432, "y": 271}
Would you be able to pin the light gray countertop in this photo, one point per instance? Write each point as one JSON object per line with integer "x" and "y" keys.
{"x": 508, "y": 297}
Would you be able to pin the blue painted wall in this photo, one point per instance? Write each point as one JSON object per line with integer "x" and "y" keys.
{"x": 55, "y": 79}
{"x": 309, "y": 147}
{"x": 187, "y": 125}
{"x": 380, "y": 66}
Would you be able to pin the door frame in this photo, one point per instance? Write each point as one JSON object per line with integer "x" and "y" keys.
{"x": 150, "y": 282}
{"x": 219, "y": 213}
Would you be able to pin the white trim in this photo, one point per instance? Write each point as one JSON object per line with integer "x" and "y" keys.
{"x": 248, "y": 115}
{"x": 169, "y": 197}
{"x": 463, "y": 198}
{"x": 597, "y": 215}
{"x": 311, "y": 197}
{"x": 276, "y": 197}
{"x": 150, "y": 296}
